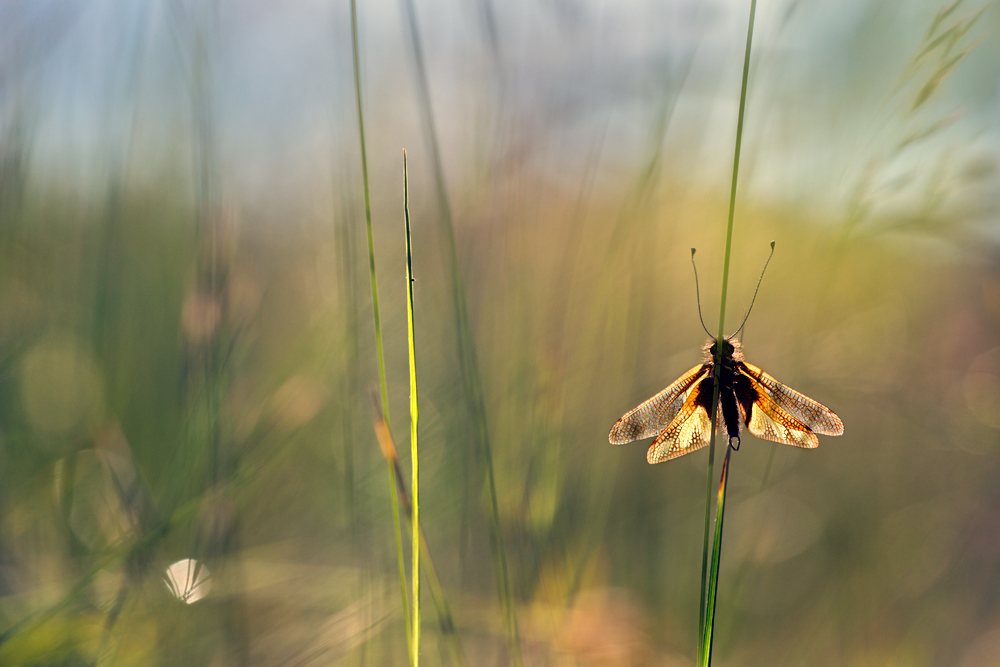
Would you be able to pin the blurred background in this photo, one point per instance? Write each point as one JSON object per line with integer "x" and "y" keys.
{"x": 189, "y": 470}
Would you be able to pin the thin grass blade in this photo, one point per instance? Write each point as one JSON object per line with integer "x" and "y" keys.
{"x": 415, "y": 458}
{"x": 713, "y": 588}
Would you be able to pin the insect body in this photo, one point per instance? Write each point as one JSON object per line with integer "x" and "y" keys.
{"x": 680, "y": 415}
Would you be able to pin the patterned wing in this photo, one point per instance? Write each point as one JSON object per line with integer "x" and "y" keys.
{"x": 689, "y": 431}
{"x": 658, "y": 412}
{"x": 800, "y": 408}
{"x": 770, "y": 422}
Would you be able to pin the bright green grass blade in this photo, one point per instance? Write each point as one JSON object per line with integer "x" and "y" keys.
{"x": 415, "y": 572}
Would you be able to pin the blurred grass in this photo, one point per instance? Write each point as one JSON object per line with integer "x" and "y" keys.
{"x": 446, "y": 619}
{"x": 379, "y": 346}
{"x": 877, "y": 548}
{"x": 468, "y": 358}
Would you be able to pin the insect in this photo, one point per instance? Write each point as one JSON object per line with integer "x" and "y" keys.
{"x": 680, "y": 415}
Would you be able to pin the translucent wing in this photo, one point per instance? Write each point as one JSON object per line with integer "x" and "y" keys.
{"x": 689, "y": 431}
{"x": 770, "y": 422}
{"x": 817, "y": 417}
{"x": 657, "y": 413}
{"x": 781, "y": 414}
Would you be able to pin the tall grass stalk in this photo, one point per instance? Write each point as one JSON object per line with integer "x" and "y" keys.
{"x": 415, "y": 459}
{"x": 468, "y": 361}
{"x": 708, "y": 589}
{"x": 384, "y": 393}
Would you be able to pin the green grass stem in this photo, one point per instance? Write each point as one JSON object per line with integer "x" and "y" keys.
{"x": 384, "y": 393}
{"x": 707, "y": 597}
{"x": 415, "y": 458}
{"x": 713, "y": 589}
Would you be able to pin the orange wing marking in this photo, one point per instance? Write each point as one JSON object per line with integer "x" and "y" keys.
{"x": 815, "y": 416}
{"x": 781, "y": 414}
{"x": 689, "y": 431}
{"x": 656, "y": 414}
{"x": 770, "y": 422}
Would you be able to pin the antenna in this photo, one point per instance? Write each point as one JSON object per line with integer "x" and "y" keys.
{"x": 733, "y": 335}
{"x": 697, "y": 293}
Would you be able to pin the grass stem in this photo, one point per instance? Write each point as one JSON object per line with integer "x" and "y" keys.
{"x": 708, "y": 588}
{"x": 378, "y": 321}
{"x": 415, "y": 459}
{"x": 713, "y": 589}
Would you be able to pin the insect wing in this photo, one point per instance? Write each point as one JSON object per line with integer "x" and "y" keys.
{"x": 781, "y": 414}
{"x": 815, "y": 416}
{"x": 657, "y": 413}
{"x": 689, "y": 431}
{"x": 770, "y": 422}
